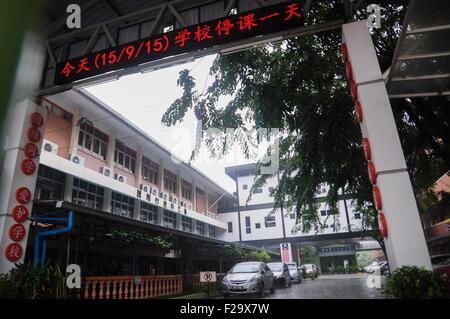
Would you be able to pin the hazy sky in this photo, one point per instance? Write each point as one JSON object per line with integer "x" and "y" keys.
{"x": 143, "y": 99}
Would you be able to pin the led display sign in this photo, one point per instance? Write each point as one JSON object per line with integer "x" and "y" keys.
{"x": 246, "y": 25}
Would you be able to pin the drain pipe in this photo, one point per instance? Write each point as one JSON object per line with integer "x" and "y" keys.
{"x": 66, "y": 229}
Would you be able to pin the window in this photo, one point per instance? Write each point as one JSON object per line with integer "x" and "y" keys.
{"x": 357, "y": 216}
{"x": 149, "y": 170}
{"x": 169, "y": 219}
{"x": 124, "y": 157}
{"x": 170, "y": 181}
{"x": 186, "y": 189}
{"x": 93, "y": 140}
{"x": 270, "y": 189}
{"x": 257, "y": 191}
{"x": 149, "y": 213}
{"x": 200, "y": 228}
{"x": 258, "y": 225}
{"x": 212, "y": 231}
{"x": 270, "y": 220}
{"x": 87, "y": 194}
{"x": 244, "y": 187}
{"x": 122, "y": 205}
{"x": 323, "y": 213}
{"x": 50, "y": 184}
{"x": 230, "y": 227}
{"x": 186, "y": 224}
{"x": 248, "y": 226}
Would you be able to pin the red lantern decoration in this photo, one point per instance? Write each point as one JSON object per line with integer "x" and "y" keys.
{"x": 367, "y": 151}
{"x": 377, "y": 197}
{"x": 372, "y": 172}
{"x": 13, "y": 252}
{"x": 20, "y": 213}
{"x": 382, "y": 225}
{"x": 344, "y": 51}
{"x": 348, "y": 71}
{"x": 17, "y": 232}
{"x": 358, "y": 111}
{"x": 31, "y": 150}
{"x": 27, "y": 166}
{"x": 34, "y": 135}
{"x": 36, "y": 119}
{"x": 354, "y": 90}
{"x": 23, "y": 195}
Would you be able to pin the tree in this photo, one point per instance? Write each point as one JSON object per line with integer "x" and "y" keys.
{"x": 300, "y": 87}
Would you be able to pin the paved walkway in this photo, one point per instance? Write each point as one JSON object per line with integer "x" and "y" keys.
{"x": 351, "y": 286}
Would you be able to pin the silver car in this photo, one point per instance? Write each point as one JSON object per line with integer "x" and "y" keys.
{"x": 248, "y": 278}
{"x": 281, "y": 272}
{"x": 296, "y": 273}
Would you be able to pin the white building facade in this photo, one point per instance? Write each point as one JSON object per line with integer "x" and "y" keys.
{"x": 258, "y": 221}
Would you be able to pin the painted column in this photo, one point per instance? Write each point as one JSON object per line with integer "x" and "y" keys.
{"x": 110, "y": 151}
{"x": 178, "y": 185}
{"x": 405, "y": 241}
{"x": 161, "y": 176}
{"x": 206, "y": 199}
{"x": 137, "y": 209}
{"x": 107, "y": 200}
{"x": 138, "y": 168}
{"x": 68, "y": 188}
{"x": 18, "y": 179}
{"x": 75, "y": 132}
{"x": 194, "y": 196}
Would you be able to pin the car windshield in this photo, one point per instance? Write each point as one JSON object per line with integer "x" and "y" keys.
{"x": 292, "y": 266}
{"x": 275, "y": 266}
{"x": 445, "y": 262}
{"x": 309, "y": 266}
{"x": 245, "y": 268}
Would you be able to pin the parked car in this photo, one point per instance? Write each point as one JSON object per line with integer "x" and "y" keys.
{"x": 281, "y": 273}
{"x": 437, "y": 259}
{"x": 444, "y": 267}
{"x": 296, "y": 273}
{"x": 380, "y": 267}
{"x": 248, "y": 278}
{"x": 309, "y": 269}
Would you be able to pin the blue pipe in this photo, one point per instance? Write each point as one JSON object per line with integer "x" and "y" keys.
{"x": 66, "y": 229}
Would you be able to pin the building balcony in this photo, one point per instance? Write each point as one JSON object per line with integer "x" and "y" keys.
{"x": 158, "y": 199}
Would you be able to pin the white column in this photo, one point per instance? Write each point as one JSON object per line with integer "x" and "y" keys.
{"x": 14, "y": 137}
{"x": 107, "y": 200}
{"x": 68, "y": 188}
{"x": 73, "y": 146}
{"x": 137, "y": 209}
{"x": 179, "y": 185}
{"x": 160, "y": 216}
{"x": 194, "y": 196}
{"x": 205, "y": 189}
{"x": 194, "y": 226}
{"x": 179, "y": 221}
{"x": 161, "y": 176}
{"x": 110, "y": 151}
{"x": 405, "y": 243}
{"x": 138, "y": 168}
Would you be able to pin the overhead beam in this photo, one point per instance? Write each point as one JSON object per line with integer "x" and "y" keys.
{"x": 415, "y": 94}
{"x": 421, "y": 77}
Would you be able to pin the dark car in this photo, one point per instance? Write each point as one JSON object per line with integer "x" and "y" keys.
{"x": 282, "y": 275}
{"x": 443, "y": 267}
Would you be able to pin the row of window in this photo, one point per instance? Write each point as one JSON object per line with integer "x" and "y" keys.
{"x": 95, "y": 142}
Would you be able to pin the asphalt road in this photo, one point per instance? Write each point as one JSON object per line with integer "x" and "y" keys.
{"x": 352, "y": 286}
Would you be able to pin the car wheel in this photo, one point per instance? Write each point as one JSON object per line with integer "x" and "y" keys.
{"x": 272, "y": 289}
{"x": 261, "y": 290}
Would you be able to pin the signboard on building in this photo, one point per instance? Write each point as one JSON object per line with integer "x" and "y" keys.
{"x": 286, "y": 252}
{"x": 208, "y": 276}
{"x": 249, "y": 24}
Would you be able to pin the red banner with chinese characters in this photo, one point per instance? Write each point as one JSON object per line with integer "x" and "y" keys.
{"x": 267, "y": 20}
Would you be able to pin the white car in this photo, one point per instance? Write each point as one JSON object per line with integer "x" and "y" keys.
{"x": 375, "y": 267}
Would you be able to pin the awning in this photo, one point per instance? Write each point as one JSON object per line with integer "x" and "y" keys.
{"x": 421, "y": 63}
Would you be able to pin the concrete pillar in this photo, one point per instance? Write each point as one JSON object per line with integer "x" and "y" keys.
{"x": 178, "y": 185}
{"x": 14, "y": 137}
{"x": 110, "y": 151}
{"x": 194, "y": 196}
{"x": 194, "y": 226}
{"x": 138, "y": 168}
{"x": 206, "y": 198}
{"x": 161, "y": 175}
{"x": 179, "y": 227}
{"x": 73, "y": 146}
{"x": 68, "y": 188}
{"x": 107, "y": 200}
{"x": 160, "y": 216}
{"x": 405, "y": 241}
{"x": 137, "y": 209}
